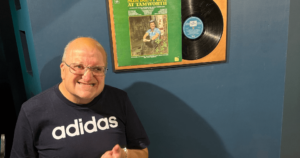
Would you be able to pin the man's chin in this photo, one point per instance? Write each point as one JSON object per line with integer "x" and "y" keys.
{"x": 85, "y": 98}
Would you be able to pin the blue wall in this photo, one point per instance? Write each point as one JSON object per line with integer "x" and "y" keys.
{"x": 227, "y": 110}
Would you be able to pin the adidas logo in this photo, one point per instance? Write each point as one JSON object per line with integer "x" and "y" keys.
{"x": 105, "y": 123}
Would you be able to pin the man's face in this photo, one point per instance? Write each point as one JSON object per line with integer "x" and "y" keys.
{"x": 82, "y": 89}
{"x": 152, "y": 26}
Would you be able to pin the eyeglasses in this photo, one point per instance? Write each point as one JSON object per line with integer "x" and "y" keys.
{"x": 79, "y": 69}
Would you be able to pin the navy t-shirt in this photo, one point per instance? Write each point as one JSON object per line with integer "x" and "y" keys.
{"x": 51, "y": 126}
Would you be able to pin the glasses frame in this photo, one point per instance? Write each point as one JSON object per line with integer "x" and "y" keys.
{"x": 87, "y": 67}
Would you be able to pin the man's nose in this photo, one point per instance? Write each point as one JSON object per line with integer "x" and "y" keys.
{"x": 87, "y": 76}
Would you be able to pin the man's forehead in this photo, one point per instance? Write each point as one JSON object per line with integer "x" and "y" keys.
{"x": 84, "y": 44}
{"x": 86, "y": 58}
{"x": 87, "y": 45}
{"x": 78, "y": 52}
{"x": 84, "y": 48}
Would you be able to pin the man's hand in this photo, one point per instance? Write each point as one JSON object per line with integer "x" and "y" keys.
{"x": 155, "y": 36}
{"x": 116, "y": 152}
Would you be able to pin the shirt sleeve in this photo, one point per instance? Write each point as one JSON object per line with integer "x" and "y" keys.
{"x": 135, "y": 133}
{"x": 23, "y": 146}
{"x": 157, "y": 31}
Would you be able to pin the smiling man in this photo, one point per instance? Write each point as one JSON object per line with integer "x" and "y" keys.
{"x": 81, "y": 116}
{"x": 153, "y": 32}
{"x": 82, "y": 85}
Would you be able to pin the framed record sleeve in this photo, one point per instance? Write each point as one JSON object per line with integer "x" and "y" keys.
{"x": 140, "y": 33}
{"x": 150, "y": 34}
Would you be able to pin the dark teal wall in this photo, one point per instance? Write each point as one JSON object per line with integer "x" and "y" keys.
{"x": 11, "y": 81}
{"x": 228, "y": 110}
{"x": 290, "y": 143}
{"x": 10, "y": 69}
{"x": 21, "y": 21}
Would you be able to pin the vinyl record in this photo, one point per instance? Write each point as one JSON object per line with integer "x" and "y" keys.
{"x": 202, "y": 28}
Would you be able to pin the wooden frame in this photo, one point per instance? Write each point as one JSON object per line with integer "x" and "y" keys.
{"x": 218, "y": 55}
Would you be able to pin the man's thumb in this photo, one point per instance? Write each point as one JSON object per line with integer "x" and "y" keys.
{"x": 116, "y": 148}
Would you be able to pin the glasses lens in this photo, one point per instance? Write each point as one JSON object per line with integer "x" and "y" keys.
{"x": 99, "y": 70}
{"x": 77, "y": 68}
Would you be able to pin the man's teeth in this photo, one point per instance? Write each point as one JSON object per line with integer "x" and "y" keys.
{"x": 93, "y": 84}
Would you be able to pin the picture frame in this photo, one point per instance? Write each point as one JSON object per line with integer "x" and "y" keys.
{"x": 130, "y": 22}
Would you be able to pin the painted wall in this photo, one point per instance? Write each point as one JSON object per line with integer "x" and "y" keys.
{"x": 228, "y": 110}
{"x": 21, "y": 21}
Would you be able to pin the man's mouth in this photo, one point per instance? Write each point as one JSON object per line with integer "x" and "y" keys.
{"x": 91, "y": 84}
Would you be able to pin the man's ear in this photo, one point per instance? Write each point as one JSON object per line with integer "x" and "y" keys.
{"x": 62, "y": 71}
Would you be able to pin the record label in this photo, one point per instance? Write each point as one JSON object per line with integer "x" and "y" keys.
{"x": 193, "y": 27}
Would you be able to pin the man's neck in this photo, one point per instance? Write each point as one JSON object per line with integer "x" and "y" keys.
{"x": 70, "y": 97}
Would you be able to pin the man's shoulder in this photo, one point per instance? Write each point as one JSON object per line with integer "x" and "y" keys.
{"x": 157, "y": 29}
{"x": 112, "y": 94}
{"x": 43, "y": 98}
{"x": 114, "y": 90}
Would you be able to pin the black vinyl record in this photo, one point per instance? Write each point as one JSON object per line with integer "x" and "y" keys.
{"x": 202, "y": 28}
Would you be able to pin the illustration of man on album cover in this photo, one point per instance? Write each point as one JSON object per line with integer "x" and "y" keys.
{"x": 153, "y": 32}
{"x": 148, "y": 35}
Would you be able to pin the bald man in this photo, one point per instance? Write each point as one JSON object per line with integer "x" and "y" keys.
{"x": 81, "y": 116}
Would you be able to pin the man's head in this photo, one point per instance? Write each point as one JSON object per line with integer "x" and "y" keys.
{"x": 82, "y": 89}
{"x": 152, "y": 25}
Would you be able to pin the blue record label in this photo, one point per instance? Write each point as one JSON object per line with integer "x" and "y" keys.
{"x": 193, "y": 27}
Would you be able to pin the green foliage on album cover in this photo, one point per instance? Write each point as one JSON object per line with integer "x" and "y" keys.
{"x": 123, "y": 44}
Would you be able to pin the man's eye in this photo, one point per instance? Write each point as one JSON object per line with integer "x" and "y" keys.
{"x": 78, "y": 67}
{"x": 98, "y": 69}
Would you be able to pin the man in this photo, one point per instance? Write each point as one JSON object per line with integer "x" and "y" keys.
{"x": 153, "y": 32}
{"x": 80, "y": 117}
